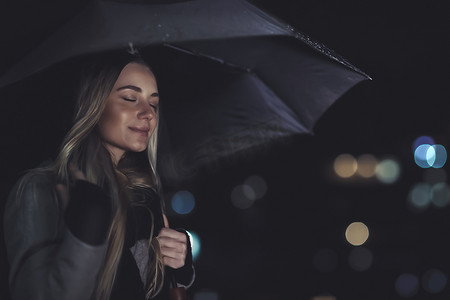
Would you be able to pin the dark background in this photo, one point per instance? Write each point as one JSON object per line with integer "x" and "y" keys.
{"x": 267, "y": 251}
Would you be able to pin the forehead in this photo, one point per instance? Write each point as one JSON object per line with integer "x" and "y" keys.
{"x": 136, "y": 74}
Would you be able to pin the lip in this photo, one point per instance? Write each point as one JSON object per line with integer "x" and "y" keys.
{"x": 140, "y": 130}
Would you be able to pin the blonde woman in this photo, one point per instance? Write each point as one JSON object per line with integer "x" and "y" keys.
{"x": 91, "y": 224}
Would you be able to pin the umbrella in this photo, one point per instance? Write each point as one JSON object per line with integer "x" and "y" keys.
{"x": 231, "y": 76}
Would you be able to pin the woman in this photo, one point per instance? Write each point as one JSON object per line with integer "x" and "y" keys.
{"x": 91, "y": 224}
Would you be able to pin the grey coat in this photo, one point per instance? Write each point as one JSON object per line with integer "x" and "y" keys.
{"x": 46, "y": 260}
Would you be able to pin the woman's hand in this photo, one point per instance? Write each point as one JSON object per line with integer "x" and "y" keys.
{"x": 173, "y": 246}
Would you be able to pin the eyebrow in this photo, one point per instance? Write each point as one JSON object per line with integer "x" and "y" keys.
{"x": 135, "y": 88}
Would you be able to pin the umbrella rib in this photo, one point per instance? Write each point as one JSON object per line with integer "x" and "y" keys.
{"x": 294, "y": 113}
{"x": 210, "y": 57}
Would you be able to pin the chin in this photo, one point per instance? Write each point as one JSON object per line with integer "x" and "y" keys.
{"x": 139, "y": 149}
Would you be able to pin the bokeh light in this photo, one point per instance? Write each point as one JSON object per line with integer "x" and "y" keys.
{"x": 345, "y": 165}
{"x": 419, "y": 197}
{"x": 183, "y": 202}
{"x": 243, "y": 196}
{"x": 366, "y": 165}
{"x": 357, "y": 233}
{"x": 258, "y": 185}
{"x": 427, "y": 155}
{"x": 434, "y": 281}
{"x": 422, "y": 140}
{"x": 440, "y": 156}
{"x": 423, "y": 155}
{"x": 407, "y": 285}
{"x": 360, "y": 259}
{"x": 388, "y": 171}
{"x": 195, "y": 244}
{"x": 440, "y": 194}
{"x": 325, "y": 260}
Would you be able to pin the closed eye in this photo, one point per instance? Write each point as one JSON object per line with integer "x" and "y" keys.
{"x": 154, "y": 106}
{"x": 128, "y": 99}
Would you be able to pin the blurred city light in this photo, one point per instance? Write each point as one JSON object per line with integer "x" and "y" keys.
{"x": 243, "y": 196}
{"x": 422, "y": 140}
{"x": 183, "y": 202}
{"x": 434, "y": 281}
{"x": 419, "y": 197}
{"x": 428, "y": 154}
{"x": 366, "y": 165}
{"x": 325, "y": 260}
{"x": 357, "y": 233}
{"x": 195, "y": 244}
{"x": 440, "y": 194}
{"x": 345, "y": 165}
{"x": 388, "y": 171}
{"x": 360, "y": 259}
{"x": 440, "y": 156}
{"x": 258, "y": 185}
{"x": 423, "y": 155}
{"x": 407, "y": 285}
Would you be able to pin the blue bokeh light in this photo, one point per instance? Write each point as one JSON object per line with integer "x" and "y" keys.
{"x": 422, "y": 140}
{"x": 183, "y": 202}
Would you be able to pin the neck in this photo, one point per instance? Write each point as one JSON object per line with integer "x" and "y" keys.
{"x": 115, "y": 154}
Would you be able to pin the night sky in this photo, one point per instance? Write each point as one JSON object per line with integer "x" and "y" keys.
{"x": 290, "y": 243}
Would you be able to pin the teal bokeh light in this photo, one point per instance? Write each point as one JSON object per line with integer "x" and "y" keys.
{"x": 423, "y": 155}
{"x": 183, "y": 202}
{"x": 440, "y": 156}
{"x": 428, "y": 154}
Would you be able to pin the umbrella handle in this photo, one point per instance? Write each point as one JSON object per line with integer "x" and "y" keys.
{"x": 175, "y": 292}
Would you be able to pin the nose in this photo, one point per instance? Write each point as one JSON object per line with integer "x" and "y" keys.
{"x": 145, "y": 111}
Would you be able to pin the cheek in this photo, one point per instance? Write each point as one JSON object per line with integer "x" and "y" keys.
{"x": 109, "y": 123}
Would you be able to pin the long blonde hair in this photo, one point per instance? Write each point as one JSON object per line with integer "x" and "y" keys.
{"x": 83, "y": 149}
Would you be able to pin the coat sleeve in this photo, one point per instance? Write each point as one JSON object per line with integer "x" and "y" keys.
{"x": 46, "y": 260}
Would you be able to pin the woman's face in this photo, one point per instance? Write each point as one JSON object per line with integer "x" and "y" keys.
{"x": 129, "y": 118}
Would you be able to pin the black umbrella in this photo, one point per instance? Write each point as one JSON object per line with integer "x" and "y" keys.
{"x": 231, "y": 76}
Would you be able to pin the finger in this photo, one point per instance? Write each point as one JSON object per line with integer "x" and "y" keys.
{"x": 171, "y": 233}
{"x": 170, "y": 243}
{"x": 174, "y": 252}
{"x": 166, "y": 222}
{"x": 173, "y": 263}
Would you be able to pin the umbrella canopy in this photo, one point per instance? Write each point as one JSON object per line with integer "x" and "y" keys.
{"x": 231, "y": 76}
